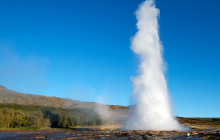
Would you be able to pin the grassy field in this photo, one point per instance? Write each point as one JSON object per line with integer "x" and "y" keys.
{"x": 200, "y": 121}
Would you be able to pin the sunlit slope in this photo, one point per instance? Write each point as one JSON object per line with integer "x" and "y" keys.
{"x": 9, "y": 96}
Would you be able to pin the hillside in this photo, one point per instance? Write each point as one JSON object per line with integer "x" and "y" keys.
{"x": 20, "y": 110}
{"x": 9, "y": 96}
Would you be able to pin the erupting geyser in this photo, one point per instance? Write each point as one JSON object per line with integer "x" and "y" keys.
{"x": 152, "y": 110}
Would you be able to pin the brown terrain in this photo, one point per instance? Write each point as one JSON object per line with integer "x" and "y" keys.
{"x": 198, "y": 132}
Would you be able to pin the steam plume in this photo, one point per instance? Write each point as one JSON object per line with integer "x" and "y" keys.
{"x": 152, "y": 110}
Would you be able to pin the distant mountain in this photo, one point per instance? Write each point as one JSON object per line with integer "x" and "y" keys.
{"x": 9, "y": 96}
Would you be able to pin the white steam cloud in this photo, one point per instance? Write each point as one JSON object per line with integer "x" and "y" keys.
{"x": 152, "y": 110}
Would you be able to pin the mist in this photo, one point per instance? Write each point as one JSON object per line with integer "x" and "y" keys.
{"x": 152, "y": 110}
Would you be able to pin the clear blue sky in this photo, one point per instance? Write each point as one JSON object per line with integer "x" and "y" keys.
{"x": 79, "y": 49}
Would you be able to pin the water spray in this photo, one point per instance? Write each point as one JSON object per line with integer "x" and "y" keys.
{"x": 152, "y": 110}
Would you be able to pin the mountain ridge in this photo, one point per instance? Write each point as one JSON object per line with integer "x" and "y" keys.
{"x": 10, "y": 96}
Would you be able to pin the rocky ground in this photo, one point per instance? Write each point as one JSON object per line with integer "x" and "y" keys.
{"x": 197, "y": 132}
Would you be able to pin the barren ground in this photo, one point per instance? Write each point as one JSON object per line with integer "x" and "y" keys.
{"x": 112, "y": 132}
